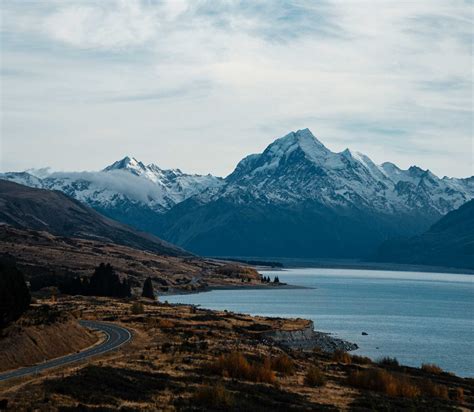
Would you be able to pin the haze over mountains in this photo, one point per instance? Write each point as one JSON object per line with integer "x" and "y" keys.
{"x": 296, "y": 199}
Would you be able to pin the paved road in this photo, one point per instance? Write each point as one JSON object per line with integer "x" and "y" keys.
{"x": 116, "y": 337}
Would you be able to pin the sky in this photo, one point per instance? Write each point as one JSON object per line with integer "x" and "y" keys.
{"x": 200, "y": 84}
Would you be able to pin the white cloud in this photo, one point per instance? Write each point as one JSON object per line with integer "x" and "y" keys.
{"x": 178, "y": 82}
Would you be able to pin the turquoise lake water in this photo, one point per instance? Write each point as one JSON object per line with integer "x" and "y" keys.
{"x": 415, "y": 317}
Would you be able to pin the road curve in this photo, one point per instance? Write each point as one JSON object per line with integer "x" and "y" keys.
{"x": 116, "y": 337}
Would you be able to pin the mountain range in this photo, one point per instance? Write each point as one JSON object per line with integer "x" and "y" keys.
{"x": 296, "y": 199}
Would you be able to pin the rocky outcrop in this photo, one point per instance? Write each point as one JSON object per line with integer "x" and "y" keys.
{"x": 307, "y": 338}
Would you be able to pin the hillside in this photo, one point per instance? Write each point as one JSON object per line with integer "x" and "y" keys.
{"x": 449, "y": 242}
{"x": 52, "y": 211}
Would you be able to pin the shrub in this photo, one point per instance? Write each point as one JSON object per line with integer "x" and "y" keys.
{"x": 382, "y": 381}
{"x": 236, "y": 365}
{"x": 388, "y": 361}
{"x": 315, "y": 377}
{"x": 458, "y": 395}
{"x": 361, "y": 360}
{"x": 431, "y": 368}
{"x": 283, "y": 364}
{"x": 341, "y": 356}
{"x": 137, "y": 308}
{"x": 434, "y": 390}
{"x": 165, "y": 324}
{"x": 214, "y": 397}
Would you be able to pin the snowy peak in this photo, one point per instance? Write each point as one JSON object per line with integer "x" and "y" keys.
{"x": 127, "y": 163}
{"x": 301, "y": 139}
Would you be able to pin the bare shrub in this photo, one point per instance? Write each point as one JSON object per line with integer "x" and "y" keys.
{"x": 214, "y": 397}
{"x": 431, "y": 368}
{"x": 314, "y": 377}
{"x": 283, "y": 364}
{"x": 341, "y": 356}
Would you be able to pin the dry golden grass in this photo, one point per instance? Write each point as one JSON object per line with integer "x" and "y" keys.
{"x": 235, "y": 365}
{"x": 431, "y": 368}
{"x": 214, "y": 397}
{"x": 341, "y": 357}
{"x": 360, "y": 360}
{"x": 382, "y": 381}
{"x": 137, "y": 308}
{"x": 283, "y": 364}
{"x": 314, "y": 377}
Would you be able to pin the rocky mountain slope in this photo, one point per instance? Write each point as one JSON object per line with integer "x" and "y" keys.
{"x": 300, "y": 199}
{"x": 449, "y": 242}
{"x": 52, "y": 211}
{"x": 296, "y": 199}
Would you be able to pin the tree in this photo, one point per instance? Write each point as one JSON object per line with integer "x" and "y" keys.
{"x": 105, "y": 282}
{"x": 148, "y": 291}
{"x": 14, "y": 294}
{"x": 276, "y": 280}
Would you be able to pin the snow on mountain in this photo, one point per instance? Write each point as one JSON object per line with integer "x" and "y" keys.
{"x": 125, "y": 183}
{"x": 298, "y": 167}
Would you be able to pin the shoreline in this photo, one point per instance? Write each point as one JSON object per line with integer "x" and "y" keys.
{"x": 309, "y": 263}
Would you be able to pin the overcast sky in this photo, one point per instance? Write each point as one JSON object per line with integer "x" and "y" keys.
{"x": 198, "y": 84}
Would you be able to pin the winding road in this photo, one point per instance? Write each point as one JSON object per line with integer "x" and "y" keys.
{"x": 116, "y": 337}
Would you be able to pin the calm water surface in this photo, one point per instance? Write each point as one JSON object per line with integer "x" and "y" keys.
{"x": 416, "y": 317}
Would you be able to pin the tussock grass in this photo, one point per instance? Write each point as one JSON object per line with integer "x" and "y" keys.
{"x": 283, "y": 364}
{"x": 214, "y": 397}
{"x": 396, "y": 385}
{"x": 314, "y": 377}
{"x": 341, "y": 356}
{"x": 431, "y": 368}
{"x": 235, "y": 365}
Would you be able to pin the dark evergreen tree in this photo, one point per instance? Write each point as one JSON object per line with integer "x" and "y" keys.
{"x": 148, "y": 291}
{"x": 276, "y": 279}
{"x": 14, "y": 294}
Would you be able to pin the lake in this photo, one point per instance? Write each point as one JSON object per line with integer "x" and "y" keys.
{"x": 415, "y": 317}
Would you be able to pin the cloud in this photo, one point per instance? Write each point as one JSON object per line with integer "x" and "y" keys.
{"x": 199, "y": 78}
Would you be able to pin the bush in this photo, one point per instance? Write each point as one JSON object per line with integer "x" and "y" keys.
{"x": 214, "y": 397}
{"x": 341, "y": 356}
{"x": 360, "y": 360}
{"x": 137, "y": 308}
{"x": 458, "y": 395}
{"x": 431, "y": 368}
{"x": 434, "y": 390}
{"x": 382, "y": 381}
{"x": 315, "y": 377}
{"x": 235, "y": 365}
{"x": 283, "y": 364}
{"x": 388, "y": 361}
{"x": 165, "y": 324}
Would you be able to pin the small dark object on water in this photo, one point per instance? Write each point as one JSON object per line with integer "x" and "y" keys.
{"x": 364, "y": 333}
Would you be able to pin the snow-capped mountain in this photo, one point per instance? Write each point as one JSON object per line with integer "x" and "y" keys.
{"x": 127, "y": 190}
{"x": 298, "y": 167}
{"x": 296, "y": 198}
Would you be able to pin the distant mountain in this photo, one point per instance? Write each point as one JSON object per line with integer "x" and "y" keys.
{"x": 296, "y": 199}
{"x": 449, "y": 242}
{"x": 299, "y": 199}
{"x": 127, "y": 190}
{"x": 52, "y": 211}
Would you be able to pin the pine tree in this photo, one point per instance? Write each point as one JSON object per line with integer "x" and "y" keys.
{"x": 148, "y": 291}
{"x": 14, "y": 294}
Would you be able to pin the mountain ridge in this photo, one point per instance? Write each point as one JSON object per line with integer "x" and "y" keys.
{"x": 296, "y": 177}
